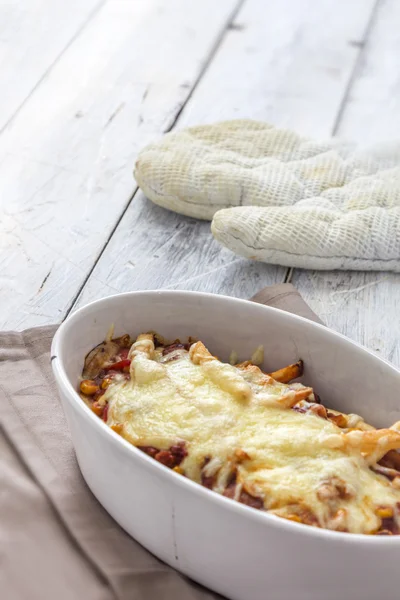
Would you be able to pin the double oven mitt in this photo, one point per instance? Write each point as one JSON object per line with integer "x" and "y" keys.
{"x": 275, "y": 196}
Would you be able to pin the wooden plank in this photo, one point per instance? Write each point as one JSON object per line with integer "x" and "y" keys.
{"x": 155, "y": 248}
{"x": 372, "y": 113}
{"x": 287, "y": 62}
{"x": 364, "y": 306}
{"x": 66, "y": 159}
{"x": 33, "y": 35}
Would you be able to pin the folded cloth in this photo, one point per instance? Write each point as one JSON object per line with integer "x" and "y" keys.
{"x": 56, "y": 540}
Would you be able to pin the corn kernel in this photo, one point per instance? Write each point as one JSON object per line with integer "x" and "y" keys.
{"x": 105, "y": 383}
{"x": 97, "y": 409}
{"x": 293, "y": 517}
{"x": 88, "y": 387}
{"x": 178, "y": 470}
{"x": 118, "y": 427}
{"x": 384, "y": 512}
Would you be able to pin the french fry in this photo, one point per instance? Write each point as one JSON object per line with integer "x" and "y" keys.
{"x": 243, "y": 365}
{"x": 143, "y": 367}
{"x": 290, "y": 400}
{"x": 375, "y": 443}
{"x": 144, "y": 345}
{"x": 288, "y": 373}
{"x": 225, "y": 376}
{"x": 337, "y": 418}
{"x": 257, "y": 375}
{"x": 390, "y": 459}
{"x": 199, "y": 354}
{"x": 372, "y": 444}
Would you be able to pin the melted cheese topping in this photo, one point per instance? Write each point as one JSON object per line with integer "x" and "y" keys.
{"x": 280, "y": 455}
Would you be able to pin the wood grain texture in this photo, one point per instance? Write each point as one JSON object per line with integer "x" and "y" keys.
{"x": 66, "y": 158}
{"x": 155, "y": 248}
{"x": 364, "y": 306}
{"x": 372, "y": 112}
{"x": 33, "y": 35}
{"x": 287, "y": 62}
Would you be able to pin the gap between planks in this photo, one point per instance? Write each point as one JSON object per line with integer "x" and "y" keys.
{"x": 73, "y": 38}
{"x": 74, "y": 156}
{"x": 219, "y": 39}
{"x": 219, "y": 96}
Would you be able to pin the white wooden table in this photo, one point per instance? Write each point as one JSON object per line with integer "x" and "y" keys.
{"x": 85, "y": 84}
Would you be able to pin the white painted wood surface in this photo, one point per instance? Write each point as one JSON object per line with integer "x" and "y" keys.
{"x": 33, "y": 35}
{"x": 287, "y": 62}
{"x": 66, "y": 158}
{"x": 86, "y": 84}
{"x": 267, "y": 67}
{"x": 364, "y": 306}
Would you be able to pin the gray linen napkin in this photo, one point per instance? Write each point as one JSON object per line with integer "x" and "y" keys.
{"x": 56, "y": 541}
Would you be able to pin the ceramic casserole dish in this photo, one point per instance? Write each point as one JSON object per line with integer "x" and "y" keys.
{"x": 231, "y": 548}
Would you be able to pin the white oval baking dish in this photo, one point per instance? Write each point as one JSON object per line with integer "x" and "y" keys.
{"x": 235, "y": 550}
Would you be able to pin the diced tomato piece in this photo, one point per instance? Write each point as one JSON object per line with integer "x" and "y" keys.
{"x": 118, "y": 366}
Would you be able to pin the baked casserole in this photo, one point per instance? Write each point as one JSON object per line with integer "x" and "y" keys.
{"x": 257, "y": 438}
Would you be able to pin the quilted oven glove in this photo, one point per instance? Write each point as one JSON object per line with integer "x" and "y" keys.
{"x": 281, "y": 198}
